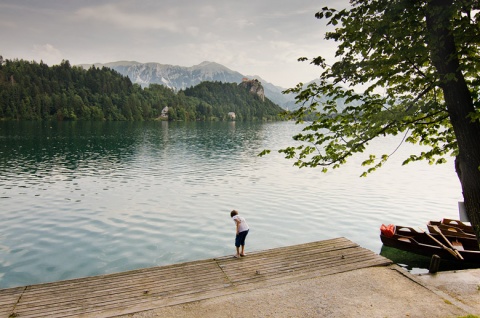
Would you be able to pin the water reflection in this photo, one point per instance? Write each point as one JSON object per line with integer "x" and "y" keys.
{"x": 46, "y": 149}
{"x": 419, "y": 264}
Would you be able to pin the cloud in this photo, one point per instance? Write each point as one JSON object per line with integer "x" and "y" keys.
{"x": 252, "y": 37}
{"x": 193, "y": 31}
{"x": 7, "y": 24}
{"x": 207, "y": 11}
{"x": 48, "y": 53}
{"x": 242, "y": 23}
{"x": 128, "y": 19}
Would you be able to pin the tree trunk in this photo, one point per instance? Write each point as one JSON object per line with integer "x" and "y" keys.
{"x": 459, "y": 103}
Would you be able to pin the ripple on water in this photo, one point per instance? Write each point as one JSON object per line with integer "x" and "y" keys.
{"x": 164, "y": 196}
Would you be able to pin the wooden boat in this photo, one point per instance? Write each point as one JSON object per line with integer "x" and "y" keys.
{"x": 458, "y": 224}
{"x": 451, "y": 229}
{"x": 427, "y": 244}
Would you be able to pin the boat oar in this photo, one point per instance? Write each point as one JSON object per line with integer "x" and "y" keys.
{"x": 448, "y": 241}
{"x": 442, "y": 245}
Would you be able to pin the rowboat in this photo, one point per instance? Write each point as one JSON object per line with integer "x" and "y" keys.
{"x": 459, "y": 224}
{"x": 451, "y": 228}
{"x": 428, "y": 244}
{"x": 448, "y": 231}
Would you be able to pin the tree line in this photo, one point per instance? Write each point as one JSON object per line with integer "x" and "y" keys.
{"x": 36, "y": 91}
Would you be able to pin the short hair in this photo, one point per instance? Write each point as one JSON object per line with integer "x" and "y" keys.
{"x": 233, "y": 213}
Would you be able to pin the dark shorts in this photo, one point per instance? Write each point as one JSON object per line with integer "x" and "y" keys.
{"x": 240, "y": 238}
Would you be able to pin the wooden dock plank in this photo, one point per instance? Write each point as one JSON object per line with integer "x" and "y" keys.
{"x": 120, "y": 278}
{"x": 8, "y": 300}
{"x": 150, "y": 288}
{"x": 92, "y": 287}
{"x": 129, "y": 291}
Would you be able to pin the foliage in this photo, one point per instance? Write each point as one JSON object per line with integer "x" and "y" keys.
{"x": 221, "y": 98}
{"x": 384, "y": 47}
{"x": 35, "y": 91}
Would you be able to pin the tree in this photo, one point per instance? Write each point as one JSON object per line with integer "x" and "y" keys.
{"x": 418, "y": 63}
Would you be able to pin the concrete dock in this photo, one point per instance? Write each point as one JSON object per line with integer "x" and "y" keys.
{"x": 331, "y": 278}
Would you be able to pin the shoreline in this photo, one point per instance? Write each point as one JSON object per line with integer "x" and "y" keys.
{"x": 330, "y": 278}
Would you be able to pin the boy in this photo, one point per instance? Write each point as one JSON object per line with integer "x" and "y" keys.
{"x": 242, "y": 231}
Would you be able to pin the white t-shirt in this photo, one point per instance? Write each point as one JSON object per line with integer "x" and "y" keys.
{"x": 243, "y": 224}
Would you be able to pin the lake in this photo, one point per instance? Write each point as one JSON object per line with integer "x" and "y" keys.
{"x": 87, "y": 198}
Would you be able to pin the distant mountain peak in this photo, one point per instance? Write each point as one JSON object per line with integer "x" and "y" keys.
{"x": 206, "y": 63}
{"x": 181, "y": 77}
{"x": 212, "y": 67}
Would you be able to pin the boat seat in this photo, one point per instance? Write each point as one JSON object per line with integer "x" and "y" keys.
{"x": 458, "y": 245}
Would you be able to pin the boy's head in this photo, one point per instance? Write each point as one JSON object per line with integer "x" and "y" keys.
{"x": 233, "y": 213}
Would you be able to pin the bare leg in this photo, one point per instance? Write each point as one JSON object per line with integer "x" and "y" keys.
{"x": 242, "y": 253}
{"x": 238, "y": 251}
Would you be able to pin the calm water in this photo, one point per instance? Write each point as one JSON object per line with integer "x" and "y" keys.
{"x": 82, "y": 199}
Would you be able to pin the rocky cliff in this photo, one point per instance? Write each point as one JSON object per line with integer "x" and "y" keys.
{"x": 254, "y": 87}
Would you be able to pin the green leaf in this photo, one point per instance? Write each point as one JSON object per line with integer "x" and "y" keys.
{"x": 264, "y": 152}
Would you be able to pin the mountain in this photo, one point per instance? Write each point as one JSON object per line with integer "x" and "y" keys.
{"x": 181, "y": 77}
{"x": 33, "y": 91}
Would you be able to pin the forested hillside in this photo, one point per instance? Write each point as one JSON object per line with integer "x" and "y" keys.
{"x": 231, "y": 97}
{"x": 35, "y": 91}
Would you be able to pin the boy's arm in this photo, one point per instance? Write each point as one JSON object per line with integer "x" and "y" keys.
{"x": 237, "y": 223}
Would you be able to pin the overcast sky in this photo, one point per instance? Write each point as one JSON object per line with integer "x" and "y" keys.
{"x": 262, "y": 37}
